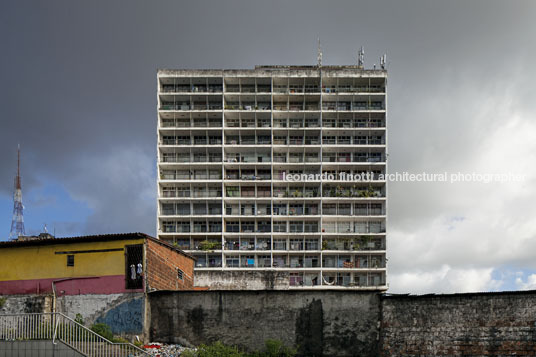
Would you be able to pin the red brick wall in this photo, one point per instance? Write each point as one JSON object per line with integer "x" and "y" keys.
{"x": 162, "y": 263}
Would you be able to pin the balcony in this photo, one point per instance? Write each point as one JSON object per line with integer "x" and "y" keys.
{"x": 185, "y": 88}
{"x": 361, "y": 192}
{"x": 295, "y": 193}
{"x": 353, "y": 157}
{"x": 263, "y": 89}
{"x": 186, "y": 106}
{"x": 354, "y": 227}
{"x": 352, "y": 89}
{"x": 247, "y": 106}
{"x": 354, "y": 106}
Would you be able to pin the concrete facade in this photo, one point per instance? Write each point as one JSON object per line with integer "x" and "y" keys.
{"x": 257, "y": 167}
{"x": 329, "y": 323}
{"x": 242, "y": 280}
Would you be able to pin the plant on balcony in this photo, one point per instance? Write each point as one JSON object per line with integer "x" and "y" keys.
{"x": 370, "y": 191}
{"x": 208, "y": 245}
{"x": 339, "y": 191}
{"x": 297, "y": 193}
{"x": 366, "y": 240}
{"x": 286, "y": 193}
{"x": 324, "y": 245}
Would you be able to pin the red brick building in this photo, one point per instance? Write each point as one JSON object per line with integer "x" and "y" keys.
{"x": 168, "y": 268}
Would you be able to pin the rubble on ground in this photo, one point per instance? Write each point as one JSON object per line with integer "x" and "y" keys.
{"x": 157, "y": 349}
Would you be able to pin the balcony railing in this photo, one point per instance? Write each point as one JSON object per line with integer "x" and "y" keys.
{"x": 353, "y": 106}
{"x": 357, "y": 227}
{"x": 353, "y": 158}
{"x": 172, "y": 106}
{"x": 343, "y": 192}
{"x": 352, "y": 89}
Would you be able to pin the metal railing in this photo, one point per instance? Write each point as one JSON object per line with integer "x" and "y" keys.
{"x": 58, "y": 327}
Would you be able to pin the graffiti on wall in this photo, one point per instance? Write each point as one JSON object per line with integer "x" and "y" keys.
{"x": 126, "y": 317}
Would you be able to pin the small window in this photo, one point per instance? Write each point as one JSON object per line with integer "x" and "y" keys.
{"x": 70, "y": 260}
{"x": 180, "y": 274}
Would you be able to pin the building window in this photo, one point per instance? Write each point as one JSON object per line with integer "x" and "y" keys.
{"x": 180, "y": 274}
{"x": 70, "y": 260}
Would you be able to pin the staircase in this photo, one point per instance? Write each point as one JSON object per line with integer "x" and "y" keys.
{"x": 58, "y": 327}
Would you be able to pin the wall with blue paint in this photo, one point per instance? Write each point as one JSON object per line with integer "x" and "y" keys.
{"x": 124, "y": 313}
{"x": 125, "y": 318}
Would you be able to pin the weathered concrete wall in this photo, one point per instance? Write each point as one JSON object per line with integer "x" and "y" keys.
{"x": 329, "y": 323}
{"x": 25, "y": 304}
{"x": 124, "y": 313}
{"x": 242, "y": 280}
{"x": 498, "y": 324}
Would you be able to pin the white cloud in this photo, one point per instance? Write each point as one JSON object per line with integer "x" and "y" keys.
{"x": 449, "y": 237}
{"x": 445, "y": 279}
{"x": 528, "y": 284}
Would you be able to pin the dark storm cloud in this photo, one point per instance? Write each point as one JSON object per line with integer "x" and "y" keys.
{"x": 78, "y": 84}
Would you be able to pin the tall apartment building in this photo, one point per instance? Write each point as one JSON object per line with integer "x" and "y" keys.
{"x": 230, "y": 143}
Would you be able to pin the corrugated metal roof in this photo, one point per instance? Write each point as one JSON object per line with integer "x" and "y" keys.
{"x": 89, "y": 238}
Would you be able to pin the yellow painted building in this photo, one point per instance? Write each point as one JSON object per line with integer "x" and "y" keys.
{"x": 104, "y": 264}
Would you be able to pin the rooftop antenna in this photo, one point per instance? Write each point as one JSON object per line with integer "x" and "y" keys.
{"x": 319, "y": 56}
{"x": 17, "y": 223}
{"x": 45, "y": 229}
{"x": 383, "y": 60}
{"x": 361, "y": 58}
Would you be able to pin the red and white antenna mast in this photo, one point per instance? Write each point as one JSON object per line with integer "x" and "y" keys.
{"x": 17, "y": 223}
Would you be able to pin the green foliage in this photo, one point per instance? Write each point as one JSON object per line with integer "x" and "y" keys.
{"x": 2, "y": 302}
{"x": 189, "y": 353}
{"x": 218, "y": 349}
{"x": 276, "y": 348}
{"x": 120, "y": 340}
{"x": 78, "y": 318}
{"x": 103, "y": 330}
{"x": 208, "y": 245}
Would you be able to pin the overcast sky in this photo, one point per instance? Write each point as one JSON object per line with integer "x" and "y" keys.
{"x": 78, "y": 92}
